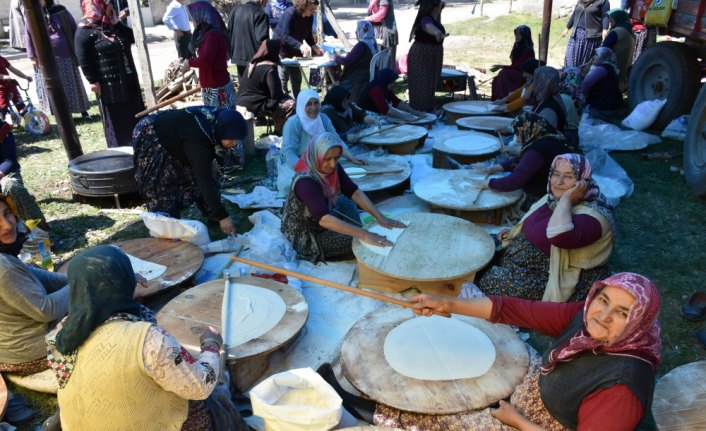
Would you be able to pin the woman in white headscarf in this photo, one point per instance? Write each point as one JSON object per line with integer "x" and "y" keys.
{"x": 306, "y": 125}
{"x": 356, "y": 65}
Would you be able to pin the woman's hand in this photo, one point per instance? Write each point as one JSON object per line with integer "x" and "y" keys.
{"x": 426, "y": 305}
{"x": 318, "y": 51}
{"x": 483, "y": 185}
{"x": 371, "y": 120}
{"x": 564, "y": 32}
{"x": 358, "y": 161}
{"x": 496, "y": 67}
{"x": 504, "y": 235}
{"x": 440, "y": 36}
{"x": 576, "y": 193}
{"x": 306, "y": 50}
{"x": 375, "y": 239}
{"x": 508, "y": 415}
{"x": 227, "y": 226}
{"x": 96, "y": 88}
{"x": 389, "y": 223}
{"x": 484, "y": 168}
{"x": 211, "y": 337}
{"x": 141, "y": 280}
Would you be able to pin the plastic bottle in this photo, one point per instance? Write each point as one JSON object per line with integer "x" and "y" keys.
{"x": 271, "y": 161}
{"x": 38, "y": 246}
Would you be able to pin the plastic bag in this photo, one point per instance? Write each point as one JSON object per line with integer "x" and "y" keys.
{"x": 160, "y": 226}
{"x": 677, "y": 128}
{"x": 285, "y": 175}
{"x": 612, "y": 179}
{"x": 644, "y": 114}
{"x": 658, "y": 13}
{"x": 608, "y": 137}
{"x": 297, "y": 400}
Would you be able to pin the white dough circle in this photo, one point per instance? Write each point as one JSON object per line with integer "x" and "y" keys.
{"x": 254, "y": 311}
{"x": 438, "y": 348}
{"x": 470, "y": 144}
{"x": 355, "y": 172}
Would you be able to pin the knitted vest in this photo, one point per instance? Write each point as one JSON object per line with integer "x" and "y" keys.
{"x": 569, "y": 383}
{"x": 110, "y": 390}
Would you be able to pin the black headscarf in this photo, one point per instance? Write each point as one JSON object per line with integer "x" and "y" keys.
{"x": 383, "y": 78}
{"x": 425, "y": 8}
{"x": 14, "y": 248}
{"x": 267, "y": 53}
{"x": 525, "y": 41}
{"x": 335, "y": 97}
{"x": 218, "y": 124}
{"x": 102, "y": 284}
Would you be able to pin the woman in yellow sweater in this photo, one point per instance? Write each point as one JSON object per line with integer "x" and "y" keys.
{"x": 518, "y": 98}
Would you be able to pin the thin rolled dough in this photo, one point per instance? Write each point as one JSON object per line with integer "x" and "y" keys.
{"x": 147, "y": 269}
{"x": 391, "y": 234}
{"x": 253, "y": 312}
{"x": 438, "y": 348}
{"x": 355, "y": 172}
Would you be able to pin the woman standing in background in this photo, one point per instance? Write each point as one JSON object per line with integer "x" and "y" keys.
{"x": 381, "y": 13}
{"x": 590, "y": 25}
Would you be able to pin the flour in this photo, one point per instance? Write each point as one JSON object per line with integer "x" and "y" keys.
{"x": 307, "y": 397}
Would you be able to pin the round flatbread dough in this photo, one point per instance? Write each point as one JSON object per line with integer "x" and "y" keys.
{"x": 355, "y": 172}
{"x": 438, "y": 348}
{"x": 254, "y": 311}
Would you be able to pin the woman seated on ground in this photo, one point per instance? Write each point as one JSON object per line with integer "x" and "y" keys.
{"x": 562, "y": 244}
{"x": 599, "y": 374}
{"x": 174, "y": 157}
{"x": 379, "y": 97}
{"x": 601, "y": 87}
{"x": 31, "y": 299}
{"x": 320, "y": 222}
{"x": 511, "y": 77}
{"x": 547, "y": 102}
{"x": 518, "y": 98}
{"x": 621, "y": 40}
{"x": 11, "y": 183}
{"x": 146, "y": 380}
{"x": 347, "y": 118}
{"x": 303, "y": 128}
{"x": 261, "y": 89}
{"x": 539, "y": 145}
{"x": 356, "y": 65}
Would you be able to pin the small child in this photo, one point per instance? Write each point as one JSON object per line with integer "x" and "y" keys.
{"x": 8, "y": 87}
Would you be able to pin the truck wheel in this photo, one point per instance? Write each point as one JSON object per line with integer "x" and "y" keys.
{"x": 695, "y": 147}
{"x": 668, "y": 70}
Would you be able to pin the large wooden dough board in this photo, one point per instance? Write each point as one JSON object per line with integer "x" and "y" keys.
{"x": 428, "y": 120}
{"x": 452, "y": 189}
{"x": 486, "y": 123}
{"x": 435, "y": 253}
{"x": 181, "y": 258}
{"x": 364, "y": 365}
{"x": 680, "y": 399}
{"x": 3, "y": 397}
{"x": 371, "y": 183}
{"x": 469, "y": 144}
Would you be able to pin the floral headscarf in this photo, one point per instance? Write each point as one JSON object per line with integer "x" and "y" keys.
{"x": 366, "y": 34}
{"x": 313, "y": 159}
{"x": 546, "y": 83}
{"x": 95, "y": 15}
{"x": 640, "y": 337}
{"x": 525, "y": 41}
{"x": 571, "y": 80}
{"x": 593, "y": 196}
{"x": 314, "y": 127}
{"x": 22, "y": 232}
{"x": 206, "y": 18}
{"x": 528, "y": 127}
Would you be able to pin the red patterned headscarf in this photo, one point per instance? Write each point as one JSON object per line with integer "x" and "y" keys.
{"x": 640, "y": 337}
{"x": 95, "y": 16}
{"x": 312, "y": 160}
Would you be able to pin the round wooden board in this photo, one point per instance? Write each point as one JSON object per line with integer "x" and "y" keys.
{"x": 44, "y": 381}
{"x": 469, "y": 144}
{"x": 432, "y": 247}
{"x": 181, "y": 258}
{"x": 427, "y": 120}
{"x": 3, "y": 397}
{"x": 680, "y": 399}
{"x": 397, "y": 136}
{"x": 187, "y": 315}
{"x": 371, "y": 183}
{"x": 454, "y": 189}
{"x": 364, "y": 365}
{"x": 485, "y": 123}
{"x": 469, "y": 107}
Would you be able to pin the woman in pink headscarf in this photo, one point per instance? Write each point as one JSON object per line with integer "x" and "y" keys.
{"x": 599, "y": 374}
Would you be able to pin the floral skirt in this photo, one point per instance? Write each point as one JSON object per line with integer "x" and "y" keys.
{"x": 166, "y": 184}
{"x": 72, "y": 83}
{"x": 220, "y": 97}
{"x": 580, "y": 49}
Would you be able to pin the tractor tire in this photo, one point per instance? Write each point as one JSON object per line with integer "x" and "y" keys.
{"x": 695, "y": 147}
{"x": 667, "y": 70}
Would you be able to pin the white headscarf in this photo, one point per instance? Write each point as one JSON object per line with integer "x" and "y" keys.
{"x": 365, "y": 33}
{"x": 314, "y": 127}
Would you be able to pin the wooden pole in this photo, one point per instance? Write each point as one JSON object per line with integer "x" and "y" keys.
{"x": 339, "y": 32}
{"x": 168, "y": 102}
{"x": 546, "y": 27}
{"x": 348, "y": 289}
{"x": 138, "y": 28}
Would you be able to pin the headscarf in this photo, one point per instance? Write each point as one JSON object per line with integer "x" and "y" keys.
{"x": 95, "y": 16}
{"x": 607, "y": 58}
{"x": 621, "y": 19}
{"x": 529, "y": 126}
{"x": 593, "y": 196}
{"x": 525, "y": 41}
{"x": 218, "y": 124}
{"x": 314, "y": 157}
{"x": 383, "y": 78}
{"x": 425, "y": 8}
{"x": 639, "y": 339}
{"x": 22, "y": 231}
{"x": 314, "y": 127}
{"x": 546, "y": 83}
{"x": 335, "y": 97}
{"x": 206, "y": 18}
{"x": 530, "y": 65}
{"x": 365, "y": 33}
{"x": 571, "y": 80}
{"x": 267, "y": 53}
